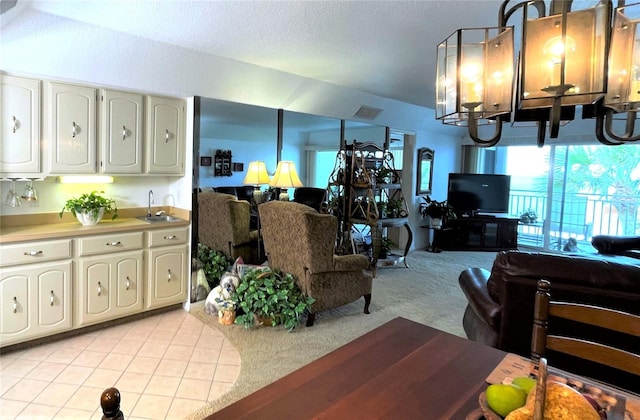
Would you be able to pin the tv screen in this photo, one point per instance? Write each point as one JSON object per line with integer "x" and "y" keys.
{"x": 484, "y": 193}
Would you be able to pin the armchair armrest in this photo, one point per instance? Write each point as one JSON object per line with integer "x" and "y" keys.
{"x": 352, "y": 262}
{"x": 473, "y": 282}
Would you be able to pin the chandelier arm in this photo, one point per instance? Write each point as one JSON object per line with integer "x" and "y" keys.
{"x": 554, "y": 117}
{"x": 600, "y": 131}
{"x": 473, "y": 132}
{"x": 504, "y": 15}
{"x": 629, "y": 127}
{"x": 542, "y": 128}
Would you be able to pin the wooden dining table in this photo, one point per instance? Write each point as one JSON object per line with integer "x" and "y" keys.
{"x": 400, "y": 370}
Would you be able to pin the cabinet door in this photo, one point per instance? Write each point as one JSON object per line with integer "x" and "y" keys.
{"x": 72, "y": 129}
{"x": 94, "y": 289}
{"x": 165, "y": 136}
{"x": 54, "y": 298}
{"x": 167, "y": 282}
{"x": 35, "y": 301}
{"x": 121, "y": 127}
{"x": 108, "y": 287}
{"x": 19, "y": 125}
{"x": 128, "y": 272}
{"x": 14, "y": 298}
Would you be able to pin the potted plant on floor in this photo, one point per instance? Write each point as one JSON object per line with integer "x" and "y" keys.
{"x": 270, "y": 297}
{"x": 387, "y": 246}
{"x": 214, "y": 263}
{"x": 89, "y": 208}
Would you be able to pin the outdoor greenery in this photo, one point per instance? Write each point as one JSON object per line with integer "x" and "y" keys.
{"x": 91, "y": 203}
{"x": 613, "y": 173}
{"x": 270, "y": 295}
{"x": 214, "y": 264}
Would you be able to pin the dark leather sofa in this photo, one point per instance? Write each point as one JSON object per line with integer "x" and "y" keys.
{"x": 500, "y": 302}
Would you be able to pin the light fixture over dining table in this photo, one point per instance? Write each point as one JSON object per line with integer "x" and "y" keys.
{"x": 566, "y": 59}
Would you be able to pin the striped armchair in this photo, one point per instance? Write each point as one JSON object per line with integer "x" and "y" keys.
{"x": 299, "y": 240}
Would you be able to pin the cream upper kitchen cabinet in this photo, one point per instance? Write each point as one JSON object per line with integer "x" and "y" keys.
{"x": 165, "y": 136}
{"x": 109, "y": 278}
{"x": 167, "y": 276}
{"x": 121, "y": 123}
{"x": 72, "y": 129}
{"x": 20, "y": 125}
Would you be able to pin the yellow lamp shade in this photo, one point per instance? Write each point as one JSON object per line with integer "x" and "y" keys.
{"x": 256, "y": 174}
{"x": 286, "y": 176}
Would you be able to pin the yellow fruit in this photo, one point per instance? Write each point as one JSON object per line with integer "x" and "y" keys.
{"x": 503, "y": 399}
{"x": 561, "y": 402}
{"x": 524, "y": 382}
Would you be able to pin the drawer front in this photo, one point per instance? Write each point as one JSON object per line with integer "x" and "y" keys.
{"x": 166, "y": 237}
{"x": 33, "y": 252}
{"x": 116, "y": 242}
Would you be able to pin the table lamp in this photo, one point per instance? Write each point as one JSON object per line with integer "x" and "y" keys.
{"x": 256, "y": 175}
{"x": 285, "y": 177}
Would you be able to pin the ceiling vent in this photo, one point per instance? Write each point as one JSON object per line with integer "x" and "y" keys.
{"x": 367, "y": 112}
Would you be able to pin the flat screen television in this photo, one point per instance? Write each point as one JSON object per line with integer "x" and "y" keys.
{"x": 478, "y": 193}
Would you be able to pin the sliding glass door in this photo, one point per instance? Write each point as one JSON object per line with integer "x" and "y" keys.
{"x": 564, "y": 195}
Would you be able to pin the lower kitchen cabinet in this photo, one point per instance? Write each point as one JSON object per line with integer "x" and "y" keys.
{"x": 167, "y": 270}
{"x": 109, "y": 287}
{"x": 35, "y": 301}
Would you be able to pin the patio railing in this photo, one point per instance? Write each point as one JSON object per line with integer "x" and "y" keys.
{"x": 577, "y": 216}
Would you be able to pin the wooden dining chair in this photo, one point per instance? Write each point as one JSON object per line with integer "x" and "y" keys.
{"x": 583, "y": 348}
{"x": 596, "y": 316}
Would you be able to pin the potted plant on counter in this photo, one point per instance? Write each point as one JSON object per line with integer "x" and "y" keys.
{"x": 89, "y": 208}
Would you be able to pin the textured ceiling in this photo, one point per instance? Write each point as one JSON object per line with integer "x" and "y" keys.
{"x": 385, "y": 48}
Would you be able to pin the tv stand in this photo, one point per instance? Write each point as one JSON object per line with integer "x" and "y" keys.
{"x": 480, "y": 233}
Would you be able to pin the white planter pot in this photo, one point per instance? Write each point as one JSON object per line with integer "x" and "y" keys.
{"x": 88, "y": 219}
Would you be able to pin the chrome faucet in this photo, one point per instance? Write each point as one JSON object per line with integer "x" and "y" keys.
{"x": 149, "y": 203}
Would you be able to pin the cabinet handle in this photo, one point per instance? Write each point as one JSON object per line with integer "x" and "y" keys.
{"x": 32, "y": 253}
{"x": 74, "y": 130}
{"x": 128, "y": 284}
{"x": 52, "y": 298}
{"x": 124, "y": 132}
{"x": 170, "y": 237}
{"x": 166, "y": 136}
{"x": 15, "y": 304}
{"x": 99, "y": 288}
{"x": 15, "y": 124}
{"x": 169, "y": 276}
{"x": 114, "y": 243}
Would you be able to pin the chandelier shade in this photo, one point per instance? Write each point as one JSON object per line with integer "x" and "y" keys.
{"x": 588, "y": 58}
{"x": 475, "y": 75}
{"x": 624, "y": 57}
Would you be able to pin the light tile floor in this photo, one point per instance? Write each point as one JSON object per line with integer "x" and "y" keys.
{"x": 165, "y": 366}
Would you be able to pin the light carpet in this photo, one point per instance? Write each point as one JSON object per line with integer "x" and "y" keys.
{"x": 426, "y": 292}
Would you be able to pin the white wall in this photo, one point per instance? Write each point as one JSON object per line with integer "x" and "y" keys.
{"x": 50, "y": 47}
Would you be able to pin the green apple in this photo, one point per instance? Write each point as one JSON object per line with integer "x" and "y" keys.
{"x": 503, "y": 398}
{"x": 524, "y": 382}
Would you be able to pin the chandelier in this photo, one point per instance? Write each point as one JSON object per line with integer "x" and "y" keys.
{"x": 566, "y": 59}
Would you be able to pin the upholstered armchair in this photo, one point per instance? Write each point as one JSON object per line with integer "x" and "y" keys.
{"x": 223, "y": 225}
{"x": 312, "y": 197}
{"x": 299, "y": 240}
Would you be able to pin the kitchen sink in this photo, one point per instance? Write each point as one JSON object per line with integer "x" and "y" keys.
{"x": 161, "y": 218}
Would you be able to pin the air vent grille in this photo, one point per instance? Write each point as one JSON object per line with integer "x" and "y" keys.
{"x": 367, "y": 112}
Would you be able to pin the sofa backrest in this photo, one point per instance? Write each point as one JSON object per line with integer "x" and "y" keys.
{"x": 612, "y": 282}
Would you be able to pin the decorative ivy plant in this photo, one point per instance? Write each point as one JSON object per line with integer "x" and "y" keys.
{"x": 268, "y": 294}
{"x": 214, "y": 264}
{"x": 91, "y": 203}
